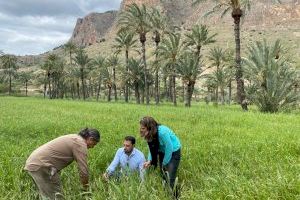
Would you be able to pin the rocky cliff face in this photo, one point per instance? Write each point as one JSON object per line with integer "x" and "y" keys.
{"x": 99, "y": 27}
{"x": 92, "y": 28}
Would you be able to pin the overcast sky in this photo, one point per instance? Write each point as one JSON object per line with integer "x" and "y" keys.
{"x": 35, "y": 26}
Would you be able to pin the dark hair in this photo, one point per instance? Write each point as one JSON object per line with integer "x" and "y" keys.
{"x": 151, "y": 126}
{"x": 130, "y": 138}
{"x": 152, "y": 137}
{"x": 90, "y": 133}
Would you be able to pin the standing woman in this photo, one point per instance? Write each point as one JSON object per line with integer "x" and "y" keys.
{"x": 164, "y": 146}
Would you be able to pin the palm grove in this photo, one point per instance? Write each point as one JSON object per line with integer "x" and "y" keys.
{"x": 174, "y": 67}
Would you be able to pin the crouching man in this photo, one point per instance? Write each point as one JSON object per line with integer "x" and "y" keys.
{"x": 45, "y": 163}
{"x": 129, "y": 159}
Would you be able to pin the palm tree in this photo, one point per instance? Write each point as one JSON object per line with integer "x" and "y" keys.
{"x": 199, "y": 37}
{"x": 159, "y": 27}
{"x": 113, "y": 61}
{"x": 75, "y": 76}
{"x": 135, "y": 76}
{"x": 107, "y": 77}
{"x": 230, "y": 65}
{"x": 41, "y": 78}
{"x": 236, "y": 7}
{"x": 210, "y": 84}
{"x": 169, "y": 53}
{"x": 25, "y": 77}
{"x": 272, "y": 76}
{"x": 125, "y": 42}
{"x": 99, "y": 63}
{"x": 217, "y": 58}
{"x": 70, "y": 48}
{"x": 136, "y": 20}
{"x": 9, "y": 65}
{"x": 220, "y": 79}
{"x": 58, "y": 75}
{"x": 82, "y": 60}
{"x": 48, "y": 67}
{"x": 189, "y": 69}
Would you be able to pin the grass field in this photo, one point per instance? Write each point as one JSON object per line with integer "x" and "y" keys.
{"x": 227, "y": 153}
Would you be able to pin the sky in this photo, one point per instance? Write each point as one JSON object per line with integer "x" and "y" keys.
{"x": 30, "y": 27}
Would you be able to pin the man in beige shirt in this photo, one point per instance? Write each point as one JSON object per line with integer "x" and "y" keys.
{"x": 45, "y": 163}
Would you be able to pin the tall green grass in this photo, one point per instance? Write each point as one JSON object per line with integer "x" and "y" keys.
{"x": 226, "y": 154}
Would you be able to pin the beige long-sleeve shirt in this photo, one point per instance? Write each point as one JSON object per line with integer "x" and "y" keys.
{"x": 59, "y": 153}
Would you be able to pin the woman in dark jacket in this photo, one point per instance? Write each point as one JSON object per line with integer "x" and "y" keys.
{"x": 164, "y": 146}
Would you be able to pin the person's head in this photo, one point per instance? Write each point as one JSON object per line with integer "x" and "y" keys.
{"x": 148, "y": 128}
{"x": 91, "y": 136}
{"x": 129, "y": 142}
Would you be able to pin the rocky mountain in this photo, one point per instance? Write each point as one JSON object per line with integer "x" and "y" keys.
{"x": 92, "y": 28}
{"x": 265, "y": 19}
{"x": 264, "y": 13}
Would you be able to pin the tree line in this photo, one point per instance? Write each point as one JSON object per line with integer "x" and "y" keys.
{"x": 175, "y": 63}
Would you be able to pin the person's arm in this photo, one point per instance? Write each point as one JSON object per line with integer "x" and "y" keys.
{"x": 147, "y": 163}
{"x": 80, "y": 156}
{"x": 113, "y": 165}
{"x": 149, "y": 156}
{"x": 166, "y": 140}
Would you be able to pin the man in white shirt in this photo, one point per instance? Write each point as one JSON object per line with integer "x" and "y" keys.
{"x": 128, "y": 158}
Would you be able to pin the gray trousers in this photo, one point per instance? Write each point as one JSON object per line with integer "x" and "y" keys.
{"x": 169, "y": 174}
{"x": 48, "y": 183}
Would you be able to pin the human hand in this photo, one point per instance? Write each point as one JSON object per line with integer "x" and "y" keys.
{"x": 147, "y": 164}
{"x": 105, "y": 176}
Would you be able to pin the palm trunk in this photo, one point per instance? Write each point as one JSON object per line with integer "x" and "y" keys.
{"x": 114, "y": 85}
{"x": 82, "y": 83}
{"x": 217, "y": 95}
{"x": 236, "y": 14}
{"x": 223, "y": 95}
{"x": 170, "y": 94}
{"x": 165, "y": 87}
{"x": 99, "y": 89}
{"x": 229, "y": 92}
{"x": 137, "y": 93}
{"x": 109, "y": 94}
{"x": 73, "y": 90}
{"x": 126, "y": 85}
{"x": 192, "y": 91}
{"x": 143, "y": 95}
{"x": 156, "y": 73}
{"x": 143, "y": 40}
{"x": 49, "y": 87}
{"x": 9, "y": 89}
{"x": 91, "y": 88}
{"x": 189, "y": 94}
{"x": 26, "y": 88}
{"x": 183, "y": 90}
{"x": 78, "y": 92}
{"x": 129, "y": 94}
{"x": 45, "y": 88}
{"x": 174, "y": 89}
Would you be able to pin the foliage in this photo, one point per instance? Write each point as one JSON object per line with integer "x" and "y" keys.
{"x": 226, "y": 153}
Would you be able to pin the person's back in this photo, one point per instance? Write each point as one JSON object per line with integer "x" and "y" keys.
{"x": 45, "y": 162}
{"x": 58, "y": 153}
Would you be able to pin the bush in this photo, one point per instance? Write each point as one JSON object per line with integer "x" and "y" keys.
{"x": 272, "y": 76}
{"x": 3, "y": 88}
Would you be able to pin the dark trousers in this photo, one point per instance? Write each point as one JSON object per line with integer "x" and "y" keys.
{"x": 169, "y": 172}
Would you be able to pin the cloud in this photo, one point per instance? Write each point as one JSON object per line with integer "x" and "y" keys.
{"x": 35, "y": 26}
